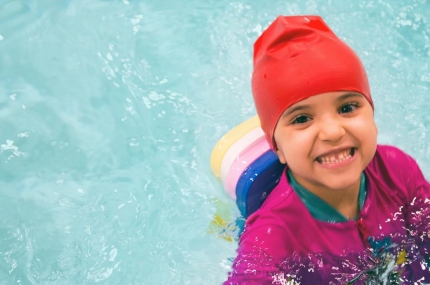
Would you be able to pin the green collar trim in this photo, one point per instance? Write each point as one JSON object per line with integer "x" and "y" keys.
{"x": 318, "y": 208}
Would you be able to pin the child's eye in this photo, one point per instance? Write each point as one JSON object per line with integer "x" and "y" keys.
{"x": 301, "y": 119}
{"x": 348, "y": 108}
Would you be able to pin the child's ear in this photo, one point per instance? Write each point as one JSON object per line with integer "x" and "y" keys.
{"x": 281, "y": 156}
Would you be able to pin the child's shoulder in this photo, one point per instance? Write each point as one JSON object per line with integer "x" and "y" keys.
{"x": 390, "y": 161}
{"x": 393, "y": 155}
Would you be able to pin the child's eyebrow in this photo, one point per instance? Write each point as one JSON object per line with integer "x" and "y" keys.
{"x": 302, "y": 107}
{"x": 349, "y": 95}
{"x": 294, "y": 109}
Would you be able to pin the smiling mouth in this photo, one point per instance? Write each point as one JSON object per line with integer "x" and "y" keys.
{"x": 338, "y": 157}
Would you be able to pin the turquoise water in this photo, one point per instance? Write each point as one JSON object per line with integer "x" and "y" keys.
{"x": 109, "y": 111}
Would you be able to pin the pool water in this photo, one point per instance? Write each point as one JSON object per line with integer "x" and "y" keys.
{"x": 109, "y": 111}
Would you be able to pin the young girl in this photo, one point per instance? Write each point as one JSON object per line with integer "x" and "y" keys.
{"x": 346, "y": 210}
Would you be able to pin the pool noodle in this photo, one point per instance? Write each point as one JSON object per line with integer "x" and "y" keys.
{"x": 228, "y": 140}
{"x": 246, "y": 158}
{"x": 234, "y": 153}
{"x": 257, "y": 182}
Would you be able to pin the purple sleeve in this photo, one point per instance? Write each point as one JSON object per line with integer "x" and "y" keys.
{"x": 259, "y": 254}
{"x": 418, "y": 209}
{"x": 252, "y": 267}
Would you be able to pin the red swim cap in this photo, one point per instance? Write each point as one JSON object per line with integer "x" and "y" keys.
{"x": 295, "y": 58}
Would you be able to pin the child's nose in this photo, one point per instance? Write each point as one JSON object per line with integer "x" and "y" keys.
{"x": 331, "y": 129}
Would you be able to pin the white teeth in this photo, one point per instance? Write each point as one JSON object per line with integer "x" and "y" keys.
{"x": 333, "y": 159}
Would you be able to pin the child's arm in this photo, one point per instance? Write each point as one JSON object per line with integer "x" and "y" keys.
{"x": 418, "y": 213}
{"x": 252, "y": 267}
{"x": 259, "y": 254}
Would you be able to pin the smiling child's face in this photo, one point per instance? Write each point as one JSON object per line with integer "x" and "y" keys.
{"x": 327, "y": 140}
